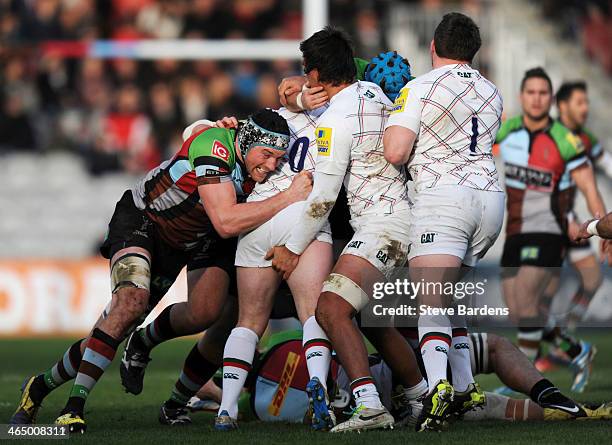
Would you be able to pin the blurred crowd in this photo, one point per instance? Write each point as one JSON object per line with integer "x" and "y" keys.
{"x": 585, "y": 21}
{"x": 127, "y": 115}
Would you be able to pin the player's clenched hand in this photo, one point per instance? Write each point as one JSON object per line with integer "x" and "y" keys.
{"x": 289, "y": 86}
{"x": 284, "y": 261}
{"x": 582, "y": 232}
{"x": 300, "y": 187}
{"x": 314, "y": 98}
{"x": 227, "y": 122}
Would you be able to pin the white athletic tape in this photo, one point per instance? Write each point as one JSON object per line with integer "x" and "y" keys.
{"x": 592, "y": 227}
{"x": 131, "y": 271}
{"x": 347, "y": 289}
{"x": 298, "y": 100}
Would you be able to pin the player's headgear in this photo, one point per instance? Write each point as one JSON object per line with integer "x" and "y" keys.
{"x": 264, "y": 128}
{"x": 390, "y": 71}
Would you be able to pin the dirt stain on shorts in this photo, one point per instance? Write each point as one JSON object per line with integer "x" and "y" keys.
{"x": 396, "y": 251}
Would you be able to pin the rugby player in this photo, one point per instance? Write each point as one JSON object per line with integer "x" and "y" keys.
{"x": 256, "y": 301}
{"x": 159, "y": 227}
{"x": 253, "y": 247}
{"x": 573, "y": 106}
{"x": 443, "y": 125}
{"x": 537, "y": 151}
{"x": 349, "y": 141}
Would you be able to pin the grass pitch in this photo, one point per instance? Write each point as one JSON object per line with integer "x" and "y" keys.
{"x": 116, "y": 417}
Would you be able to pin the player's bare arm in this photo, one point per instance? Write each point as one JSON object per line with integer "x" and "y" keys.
{"x": 231, "y": 218}
{"x": 398, "y": 142}
{"x": 584, "y": 177}
{"x": 317, "y": 209}
{"x": 600, "y": 227}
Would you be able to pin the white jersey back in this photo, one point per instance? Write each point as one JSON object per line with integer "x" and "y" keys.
{"x": 350, "y": 143}
{"x": 455, "y": 113}
{"x": 301, "y": 154}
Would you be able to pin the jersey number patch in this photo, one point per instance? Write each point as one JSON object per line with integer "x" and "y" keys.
{"x": 474, "y": 136}
{"x": 220, "y": 151}
{"x": 299, "y": 146}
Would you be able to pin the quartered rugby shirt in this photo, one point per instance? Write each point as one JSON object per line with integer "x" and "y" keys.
{"x": 539, "y": 194}
{"x": 169, "y": 193}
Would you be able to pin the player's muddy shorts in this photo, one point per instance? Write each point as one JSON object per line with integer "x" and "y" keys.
{"x": 131, "y": 227}
{"x": 455, "y": 220}
{"x": 253, "y": 246}
{"x": 382, "y": 240}
{"x": 533, "y": 249}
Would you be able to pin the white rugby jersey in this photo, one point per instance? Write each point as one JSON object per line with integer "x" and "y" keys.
{"x": 301, "y": 154}
{"x": 350, "y": 143}
{"x": 455, "y": 113}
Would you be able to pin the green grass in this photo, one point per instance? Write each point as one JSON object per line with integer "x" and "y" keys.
{"x": 116, "y": 417}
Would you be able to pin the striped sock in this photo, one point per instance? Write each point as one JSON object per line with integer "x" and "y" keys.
{"x": 365, "y": 392}
{"x": 237, "y": 361}
{"x": 99, "y": 353}
{"x": 528, "y": 340}
{"x": 159, "y": 330}
{"x": 459, "y": 359}
{"x": 197, "y": 370}
{"x": 317, "y": 350}
{"x": 435, "y": 340}
{"x": 65, "y": 369}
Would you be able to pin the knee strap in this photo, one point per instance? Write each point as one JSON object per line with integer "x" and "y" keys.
{"x": 347, "y": 289}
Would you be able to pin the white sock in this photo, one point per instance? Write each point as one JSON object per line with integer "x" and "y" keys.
{"x": 317, "y": 350}
{"x": 237, "y": 361}
{"x": 435, "y": 340}
{"x": 416, "y": 391}
{"x": 365, "y": 393}
{"x": 459, "y": 359}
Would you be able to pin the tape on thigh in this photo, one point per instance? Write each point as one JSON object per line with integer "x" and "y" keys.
{"x": 347, "y": 289}
{"x": 131, "y": 270}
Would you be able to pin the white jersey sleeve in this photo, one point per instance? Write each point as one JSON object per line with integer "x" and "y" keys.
{"x": 407, "y": 108}
{"x": 333, "y": 145}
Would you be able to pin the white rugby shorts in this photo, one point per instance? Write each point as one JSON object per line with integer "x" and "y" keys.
{"x": 455, "y": 220}
{"x": 382, "y": 240}
{"x": 253, "y": 245}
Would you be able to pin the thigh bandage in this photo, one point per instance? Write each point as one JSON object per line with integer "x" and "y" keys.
{"x": 347, "y": 289}
{"x": 131, "y": 270}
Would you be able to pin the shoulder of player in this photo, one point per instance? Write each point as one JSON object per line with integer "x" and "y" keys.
{"x": 508, "y": 127}
{"x": 216, "y": 143}
{"x": 569, "y": 144}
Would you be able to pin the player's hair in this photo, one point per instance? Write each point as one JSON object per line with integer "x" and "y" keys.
{"x": 271, "y": 121}
{"x": 330, "y": 51}
{"x": 457, "y": 37}
{"x": 566, "y": 90}
{"x": 536, "y": 73}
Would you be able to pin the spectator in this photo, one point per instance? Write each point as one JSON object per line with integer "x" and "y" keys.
{"x": 165, "y": 117}
{"x": 16, "y": 131}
